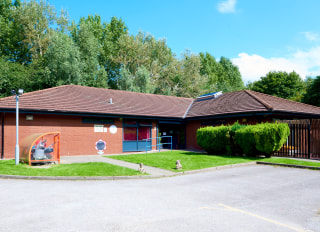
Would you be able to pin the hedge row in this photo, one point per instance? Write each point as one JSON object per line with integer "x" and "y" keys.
{"x": 264, "y": 138}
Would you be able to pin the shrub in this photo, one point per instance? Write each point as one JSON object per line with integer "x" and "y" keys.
{"x": 232, "y": 146}
{"x": 245, "y": 139}
{"x": 270, "y": 137}
{"x": 265, "y": 138}
{"x": 213, "y": 139}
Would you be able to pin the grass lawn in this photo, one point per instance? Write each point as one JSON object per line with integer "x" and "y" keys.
{"x": 189, "y": 160}
{"x": 8, "y": 167}
{"x": 291, "y": 161}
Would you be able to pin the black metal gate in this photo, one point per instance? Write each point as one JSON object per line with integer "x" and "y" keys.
{"x": 303, "y": 141}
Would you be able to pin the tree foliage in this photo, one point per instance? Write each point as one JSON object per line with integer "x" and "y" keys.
{"x": 220, "y": 76}
{"x": 280, "y": 84}
{"x": 63, "y": 62}
{"x": 312, "y": 95}
{"x": 40, "y": 48}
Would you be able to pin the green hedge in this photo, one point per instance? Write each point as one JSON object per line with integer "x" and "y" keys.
{"x": 213, "y": 139}
{"x": 246, "y": 141}
{"x": 264, "y": 138}
{"x": 232, "y": 145}
{"x": 270, "y": 137}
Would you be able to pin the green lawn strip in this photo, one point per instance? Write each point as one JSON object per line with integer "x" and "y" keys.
{"x": 8, "y": 167}
{"x": 189, "y": 160}
{"x": 291, "y": 161}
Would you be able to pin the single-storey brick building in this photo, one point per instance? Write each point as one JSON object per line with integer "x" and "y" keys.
{"x": 85, "y": 115}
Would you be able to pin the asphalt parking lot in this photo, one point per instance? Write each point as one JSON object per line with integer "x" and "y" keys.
{"x": 249, "y": 198}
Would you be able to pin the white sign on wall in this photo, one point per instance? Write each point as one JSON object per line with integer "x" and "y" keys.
{"x": 98, "y": 128}
{"x": 113, "y": 129}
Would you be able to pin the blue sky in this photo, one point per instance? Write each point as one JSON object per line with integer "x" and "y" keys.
{"x": 258, "y": 36}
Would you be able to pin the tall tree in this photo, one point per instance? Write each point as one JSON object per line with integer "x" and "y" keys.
{"x": 143, "y": 81}
{"x": 221, "y": 76}
{"x": 126, "y": 81}
{"x": 191, "y": 83}
{"x": 280, "y": 84}
{"x": 63, "y": 61}
{"x": 104, "y": 41}
{"x": 231, "y": 76}
{"x": 90, "y": 49}
{"x": 111, "y": 46}
{"x": 312, "y": 95}
{"x": 11, "y": 34}
{"x": 15, "y": 76}
{"x": 35, "y": 21}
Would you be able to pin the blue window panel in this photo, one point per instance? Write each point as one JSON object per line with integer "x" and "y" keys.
{"x": 135, "y": 146}
{"x": 130, "y": 146}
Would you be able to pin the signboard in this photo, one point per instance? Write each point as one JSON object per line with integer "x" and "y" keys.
{"x": 98, "y": 128}
{"x": 113, "y": 129}
{"x": 100, "y": 146}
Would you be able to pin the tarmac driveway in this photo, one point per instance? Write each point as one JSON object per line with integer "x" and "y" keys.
{"x": 249, "y": 198}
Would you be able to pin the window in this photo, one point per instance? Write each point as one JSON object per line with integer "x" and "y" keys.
{"x": 130, "y": 134}
{"x": 144, "y": 133}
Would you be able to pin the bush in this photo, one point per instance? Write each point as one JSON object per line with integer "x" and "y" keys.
{"x": 232, "y": 146}
{"x": 213, "y": 139}
{"x": 270, "y": 137}
{"x": 244, "y": 137}
{"x": 265, "y": 138}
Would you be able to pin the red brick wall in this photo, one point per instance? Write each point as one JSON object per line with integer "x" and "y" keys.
{"x": 191, "y": 131}
{"x": 77, "y": 138}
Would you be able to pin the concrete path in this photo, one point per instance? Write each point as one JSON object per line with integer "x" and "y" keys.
{"x": 98, "y": 158}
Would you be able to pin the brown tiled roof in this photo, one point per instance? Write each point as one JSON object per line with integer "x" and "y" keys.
{"x": 81, "y": 99}
{"x": 247, "y": 101}
{"x": 89, "y": 100}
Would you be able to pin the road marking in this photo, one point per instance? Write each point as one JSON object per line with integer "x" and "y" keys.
{"x": 260, "y": 217}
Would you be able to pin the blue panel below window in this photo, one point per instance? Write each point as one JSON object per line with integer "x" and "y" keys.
{"x": 130, "y": 146}
{"x": 135, "y": 146}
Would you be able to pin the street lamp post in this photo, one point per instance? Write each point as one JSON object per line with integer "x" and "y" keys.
{"x": 17, "y": 96}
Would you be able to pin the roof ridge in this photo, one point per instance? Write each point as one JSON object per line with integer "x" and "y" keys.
{"x": 82, "y": 86}
{"x": 153, "y": 94}
{"x": 187, "y": 111}
{"x": 126, "y": 91}
{"x": 284, "y": 99}
{"x": 269, "y": 107}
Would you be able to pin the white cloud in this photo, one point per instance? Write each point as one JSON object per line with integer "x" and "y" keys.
{"x": 227, "y": 6}
{"x": 311, "y": 36}
{"x": 305, "y": 63}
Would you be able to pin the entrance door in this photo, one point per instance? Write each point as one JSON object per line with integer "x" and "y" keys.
{"x": 177, "y": 131}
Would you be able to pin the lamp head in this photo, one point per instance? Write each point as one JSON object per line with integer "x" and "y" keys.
{"x": 13, "y": 92}
{"x": 20, "y": 91}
